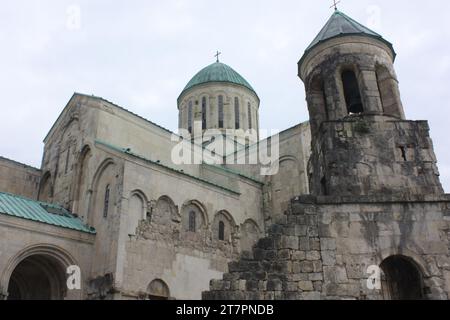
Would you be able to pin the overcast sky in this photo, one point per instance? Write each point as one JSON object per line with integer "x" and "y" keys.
{"x": 140, "y": 55}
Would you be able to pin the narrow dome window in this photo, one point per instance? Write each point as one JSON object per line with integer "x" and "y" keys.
{"x": 221, "y": 117}
{"x": 249, "y": 116}
{"x": 237, "y": 119}
{"x": 204, "y": 113}
{"x": 190, "y": 117}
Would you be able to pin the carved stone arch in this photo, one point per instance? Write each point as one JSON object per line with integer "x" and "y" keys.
{"x": 46, "y": 188}
{"x": 317, "y": 101}
{"x": 165, "y": 211}
{"x": 73, "y": 121}
{"x": 250, "y": 234}
{"x": 158, "y": 290}
{"x": 137, "y": 210}
{"x": 228, "y": 224}
{"x": 101, "y": 168}
{"x": 81, "y": 195}
{"x": 389, "y": 91}
{"x": 201, "y": 213}
{"x": 425, "y": 267}
{"x": 95, "y": 201}
{"x": 49, "y": 262}
{"x": 402, "y": 278}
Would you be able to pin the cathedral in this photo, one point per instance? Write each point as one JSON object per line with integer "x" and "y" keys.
{"x": 352, "y": 208}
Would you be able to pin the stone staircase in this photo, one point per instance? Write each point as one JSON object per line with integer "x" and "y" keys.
{"x": 286, "y": 265}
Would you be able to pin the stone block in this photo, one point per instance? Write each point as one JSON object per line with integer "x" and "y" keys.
{"x": 328, "y": 258}
{"x": 304, "y": 243}
{"x": 328, "y": 244}
{"x": 317, "y": 266}
{"x": 274, "y": 285}
{"x": 312, "y": 255}
{"x": 306, "y": 266}
{"x": 314, "y": 244}
{"x": 299, "y": 255}
{"x": 301, "y": 230}
{"x": 311, "y": 296}
{"x": 317, "y": 276}
{"x": 289, "y": 242}
{"x": 305, "y": 285}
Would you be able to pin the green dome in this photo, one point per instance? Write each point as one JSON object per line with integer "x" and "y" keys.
{"x": 217, "y": 72}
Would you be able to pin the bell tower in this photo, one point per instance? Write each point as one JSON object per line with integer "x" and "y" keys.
{"x": 362, "y": 143}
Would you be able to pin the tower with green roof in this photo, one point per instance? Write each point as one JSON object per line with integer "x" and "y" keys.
{"x": 219, "y": 98}
{"x": 362, "y": 143}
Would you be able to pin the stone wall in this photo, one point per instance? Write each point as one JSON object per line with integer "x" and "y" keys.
{"x": 322, "y": 250}
{"x": 20, "y": 179}
{"x": 367, "y": 155}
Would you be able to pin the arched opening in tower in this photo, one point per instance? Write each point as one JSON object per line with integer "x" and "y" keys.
{"x": 38, "y": 277}
{"x": 351, "y": 92}
{"x": 402, "y": 279}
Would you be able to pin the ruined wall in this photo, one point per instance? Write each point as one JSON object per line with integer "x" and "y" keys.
{"x": 156, "y": 242}
{"x": 323, "y": 247}
{"x": 20, "y": 179}
{"x": 322, "y": 250}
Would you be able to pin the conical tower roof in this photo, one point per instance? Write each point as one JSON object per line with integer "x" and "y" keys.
{"x": 340, "y": 25}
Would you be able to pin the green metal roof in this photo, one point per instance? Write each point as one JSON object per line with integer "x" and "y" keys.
{"x": 342, "y": 25}
{"x": 16, "y": 206}
{"x": 217, "y": 72}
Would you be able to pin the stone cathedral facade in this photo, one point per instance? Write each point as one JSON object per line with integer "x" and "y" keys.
{"x": 356, "y": 198}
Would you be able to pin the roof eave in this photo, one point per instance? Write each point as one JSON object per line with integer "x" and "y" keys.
{"x": 379, "y": 38}
{"x": 215, "y": 82}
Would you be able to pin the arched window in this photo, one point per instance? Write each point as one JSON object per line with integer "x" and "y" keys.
{"x": 236, "y": 113}
{"x": 352, "y": 93}
{"x": 204, "y": 113}
{"x": 190, "y": 117}
{"x": 221, "y": 112}
{"x": 221, "y": 231}
{"x": 249, "y": 107}
{"x": 192, "y": 221}
{"x": 106, "y": 202}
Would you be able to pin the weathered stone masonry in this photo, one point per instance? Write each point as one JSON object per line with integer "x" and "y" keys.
{"x": 323, "y": 247}
{"x": 376, "y": 200}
